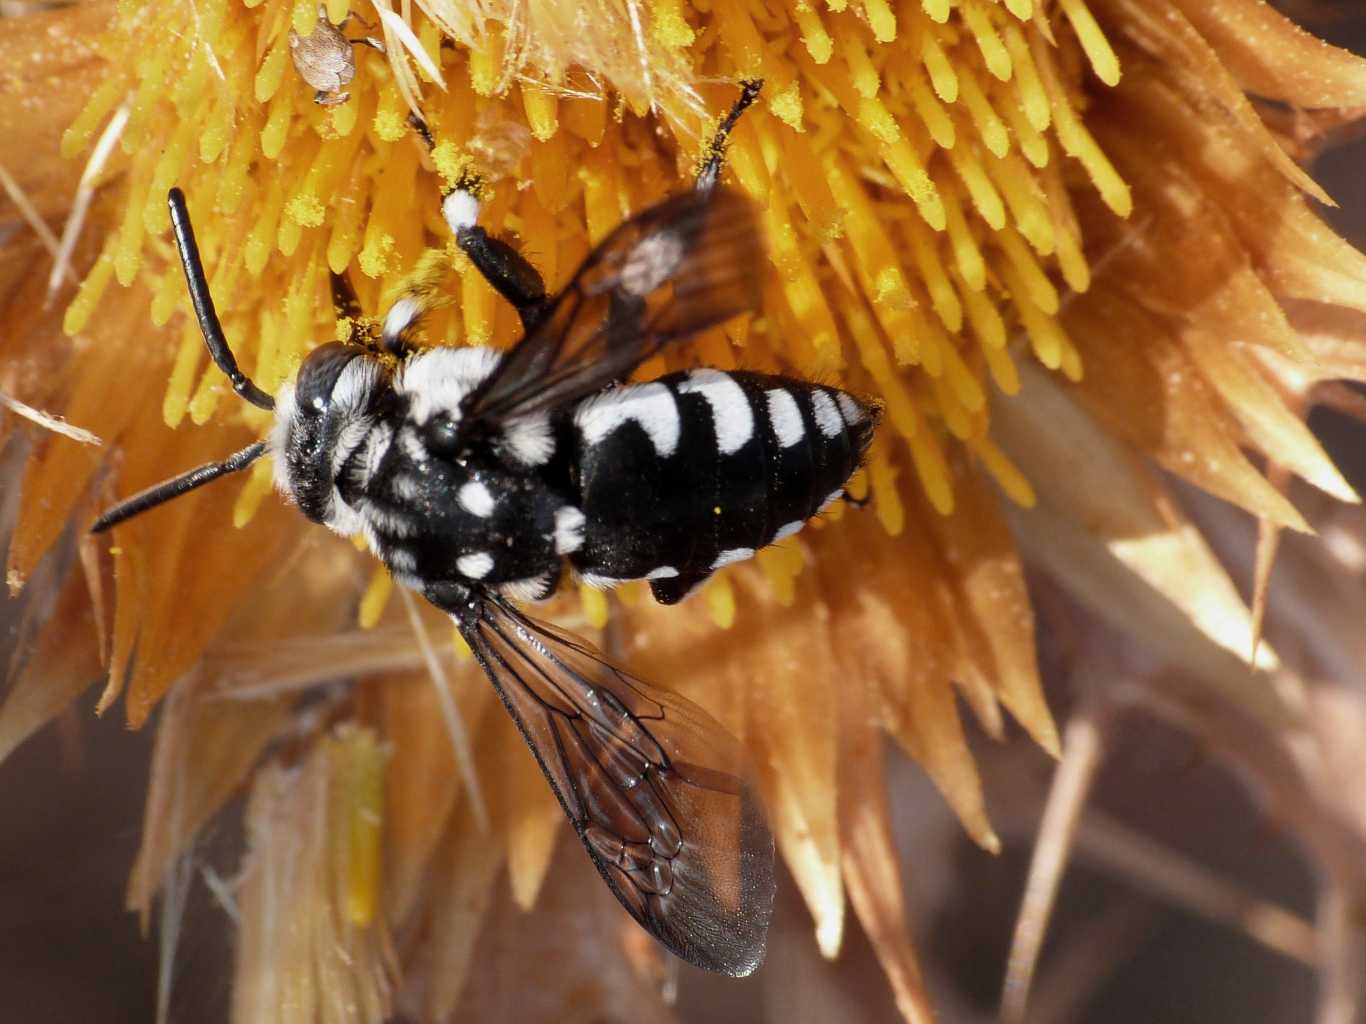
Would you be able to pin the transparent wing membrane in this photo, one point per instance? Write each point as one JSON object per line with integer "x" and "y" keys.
{"x": 652, "y": 784}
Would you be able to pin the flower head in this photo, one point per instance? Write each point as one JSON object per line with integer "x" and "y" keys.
{"x": 1048, "y": 271}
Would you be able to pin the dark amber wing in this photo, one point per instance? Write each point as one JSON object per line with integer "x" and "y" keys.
{"x": 685, "y": 264}
{"x": 654, "y": 787}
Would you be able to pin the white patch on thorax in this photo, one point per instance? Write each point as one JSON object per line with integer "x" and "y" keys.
{"x": 785, "y": 417}
{"x": 437, "y": 380}
{"x": 476, "y": 499}
{"x": 788, "y": 529}
{"x": 533, "y": 588}
{"x": 410, "y": 441}
{"x": 653, "y": 406}
{"x": 732, "y": 417}
{"x": 402, "y": 315}
{"x": 405, "y": 486}
{"x": 376, "y": 447}
{"x": 402, "y": 560}
{"x": 568, "y": 530}
{"x": 393, "y": 524}
{"x": 529, "y": 439}
{"x": 474, "y": 566}
{"x": 651, "y": 263}
{"x": 827, "y": 416}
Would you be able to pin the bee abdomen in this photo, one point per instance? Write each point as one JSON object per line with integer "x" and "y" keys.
{"x": 699, "y": 470}
{"x": 816, "y": 438}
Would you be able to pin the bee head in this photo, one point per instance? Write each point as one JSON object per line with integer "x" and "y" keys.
{"x": 319, "y": 422}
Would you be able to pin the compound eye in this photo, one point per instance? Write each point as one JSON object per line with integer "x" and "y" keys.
{"x": 318, "y": 376}
{"x": 442, "y": 435}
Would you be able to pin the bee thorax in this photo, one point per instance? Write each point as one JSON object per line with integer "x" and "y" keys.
{"x": 436, "y": 381}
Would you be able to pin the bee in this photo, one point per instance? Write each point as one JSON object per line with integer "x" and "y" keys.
{"x": 476, "y": 476}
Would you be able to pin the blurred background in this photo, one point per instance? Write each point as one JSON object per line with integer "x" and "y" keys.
{"x": 1123, "y": 946}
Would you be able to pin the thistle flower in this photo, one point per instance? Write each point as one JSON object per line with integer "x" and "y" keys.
{"x": 1058, "y": 241}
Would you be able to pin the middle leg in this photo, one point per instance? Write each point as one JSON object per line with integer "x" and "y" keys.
{"x": 507, "y": 270}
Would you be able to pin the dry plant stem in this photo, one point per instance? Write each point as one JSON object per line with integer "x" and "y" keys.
{"x": 300, "y": 665}
{"x": 89, "y": 555}
{"x": 1086, "y": 960}
{"x": 175, "y": 891}
{"x": 30, "y": 214}
{"x": 1287, "y": 768}
{"x": 80, "y": 205}
{"x": 1342, "y": 952}
{"x": 1341, "y": 398}
{"x": 1186, "y": 884}
{"x": 1082, "y": 749}
{"x": 461, "y": 746}
{"x": 47, "y": 421}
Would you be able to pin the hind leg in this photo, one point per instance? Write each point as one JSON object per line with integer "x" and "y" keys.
{"x": 710, "y": 171}
{"x": 675, "y": 588}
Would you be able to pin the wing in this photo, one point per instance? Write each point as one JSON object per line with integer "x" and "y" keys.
{"x": 673, "y": 270}
{"x": 650, "y": 782}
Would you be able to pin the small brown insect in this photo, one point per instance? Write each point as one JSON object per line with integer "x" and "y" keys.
{"x": 325, "y": 60}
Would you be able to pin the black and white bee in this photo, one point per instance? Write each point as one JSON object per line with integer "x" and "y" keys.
{"x": 476, "y": 476}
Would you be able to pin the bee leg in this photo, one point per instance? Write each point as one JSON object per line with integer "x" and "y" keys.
{"x": 710, "y": 171}
{"x": 344, "y": 301}
{"x": 675, "y": 588}
{"x": 424, "y": 133}
{"x": 506, "y": 269}
{"x": 363, "y": 330}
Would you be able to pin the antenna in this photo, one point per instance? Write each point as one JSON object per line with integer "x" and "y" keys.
{"x": 203, "y": 304}
{"x": 225, "y": 361}
{"x": 163, "y": 492}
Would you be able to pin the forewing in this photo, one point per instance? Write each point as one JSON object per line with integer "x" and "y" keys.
{"x": 686, "y": 264}
{"x": 651, "y": 783}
